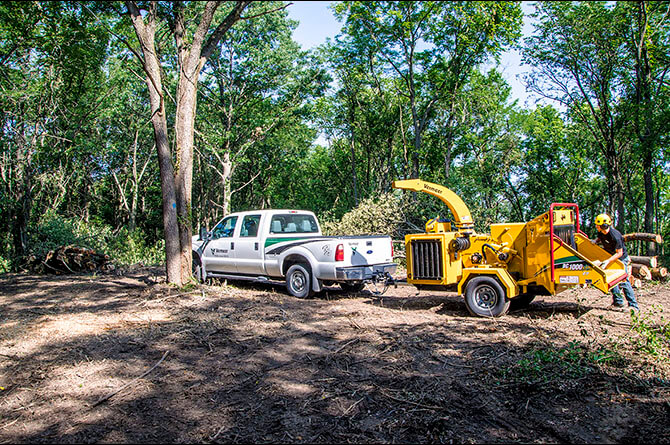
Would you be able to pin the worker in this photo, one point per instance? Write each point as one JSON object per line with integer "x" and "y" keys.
{"x": 612, "y": 241}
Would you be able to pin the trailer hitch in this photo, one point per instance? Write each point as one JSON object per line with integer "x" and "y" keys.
{"x": 387, "y": 280}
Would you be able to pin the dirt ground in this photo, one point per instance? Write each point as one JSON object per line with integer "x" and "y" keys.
{"x": 126, "y": 358}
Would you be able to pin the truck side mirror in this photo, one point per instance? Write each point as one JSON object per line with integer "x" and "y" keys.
{"x": 203, "y": 233}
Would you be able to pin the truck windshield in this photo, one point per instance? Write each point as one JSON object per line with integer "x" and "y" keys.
{"x": 289, "y": 223}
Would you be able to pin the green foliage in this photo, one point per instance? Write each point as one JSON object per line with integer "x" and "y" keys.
{"x": 124, "y": 247}
{"x": 541, "y": 366}
{"x": 5, "y": 265}
{"x": 53, "y": 231}
{"x": 373, "y": 216}
{"x": 654, "y": 338}
{"x": 127, "y": 248}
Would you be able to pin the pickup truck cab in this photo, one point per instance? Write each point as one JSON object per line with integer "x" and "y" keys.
{"x": 287, "y": 245}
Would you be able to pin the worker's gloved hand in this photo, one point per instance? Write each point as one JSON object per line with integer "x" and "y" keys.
{"x": 597, "y": 263}
{"x": 604, "y": 264}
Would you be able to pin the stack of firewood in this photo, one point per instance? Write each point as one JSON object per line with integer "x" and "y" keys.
{"x": 645, "y": 267}
{"x": 68, "y": 259}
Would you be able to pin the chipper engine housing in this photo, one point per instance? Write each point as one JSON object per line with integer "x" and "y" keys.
{"x": 510, "y": 265}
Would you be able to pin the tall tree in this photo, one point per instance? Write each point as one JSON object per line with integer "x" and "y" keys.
{"x": 576, "y": 54}
{"x": 193, "y": 49}
{"x": 256, "y": 86}
{"x": 51, "y": 56}
{"x": 648, "y": 43}
{"x": 430, "y": 47}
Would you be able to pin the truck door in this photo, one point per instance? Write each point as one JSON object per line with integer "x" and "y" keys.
{"x": 218, "y": 254}
{"x": 248, "y": 251}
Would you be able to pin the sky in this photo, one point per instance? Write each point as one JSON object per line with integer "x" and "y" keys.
{"x": 317, "y": 23}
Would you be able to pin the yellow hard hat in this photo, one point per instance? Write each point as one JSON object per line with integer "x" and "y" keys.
{"x": 603, "y": 218}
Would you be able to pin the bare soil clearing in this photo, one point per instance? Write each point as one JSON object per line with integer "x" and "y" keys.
{"x": 249, "y": 363}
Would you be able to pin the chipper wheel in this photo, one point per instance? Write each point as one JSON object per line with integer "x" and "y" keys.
{"x": 485, "y": 297}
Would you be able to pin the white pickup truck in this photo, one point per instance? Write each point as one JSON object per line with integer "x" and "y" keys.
{"x": 267, "y": 245}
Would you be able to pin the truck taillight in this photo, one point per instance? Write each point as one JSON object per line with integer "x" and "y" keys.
{"x": 339, "y": 253}
{"x": 392, "y": 253}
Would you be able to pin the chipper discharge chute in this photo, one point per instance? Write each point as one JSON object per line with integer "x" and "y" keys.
{"x": 512, "y": 264}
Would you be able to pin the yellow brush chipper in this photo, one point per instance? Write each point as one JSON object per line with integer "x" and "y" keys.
{"x": 509, "y": 266}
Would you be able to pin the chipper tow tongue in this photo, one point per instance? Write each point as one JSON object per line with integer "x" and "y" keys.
{"x": 512, "y": 264}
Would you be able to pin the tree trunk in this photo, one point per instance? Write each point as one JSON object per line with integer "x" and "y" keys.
{"x": 145, "y": 34}
{"x": 191, "y": 57}
{"x": 650, "y": 261}
{"x": 184, "y": 135}
{"x": 226, "y": 178}
{"x": 638, "y": 236}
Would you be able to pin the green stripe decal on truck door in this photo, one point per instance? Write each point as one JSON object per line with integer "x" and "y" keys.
{"x": 271, "y": 241}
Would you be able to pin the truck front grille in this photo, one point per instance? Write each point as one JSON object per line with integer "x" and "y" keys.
{"x": 426, "y": 259}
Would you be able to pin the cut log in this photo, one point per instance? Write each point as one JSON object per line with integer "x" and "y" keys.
{"x": 649, "y": 261}
{"x": 641, "y": 271}
{"x": 636, "y": 282}
{"x": 659, "y": 273}
{"x": 656, "y": 238}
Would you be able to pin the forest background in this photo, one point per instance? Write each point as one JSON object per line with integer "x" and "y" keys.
{"x": 407, "y": 89}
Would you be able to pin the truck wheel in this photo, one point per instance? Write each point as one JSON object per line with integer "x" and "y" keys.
{"x": 352, "y": 286}
{"x": 196, "y": 268}
{"x": 521, "y": 301}
{"x": 485, "y": 297}
{"x": 299, "y": 281}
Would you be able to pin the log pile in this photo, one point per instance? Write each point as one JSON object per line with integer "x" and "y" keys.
{"x": 68, "y": 259}
{"x": 645, "y": 268}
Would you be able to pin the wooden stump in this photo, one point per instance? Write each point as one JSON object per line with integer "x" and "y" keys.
{"x": 659, "y": 273}
{"x": 641, "y": 271}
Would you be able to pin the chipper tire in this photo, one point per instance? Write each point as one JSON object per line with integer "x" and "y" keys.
{"x": 299, "y": 281}
{"x": 485, "y": 297}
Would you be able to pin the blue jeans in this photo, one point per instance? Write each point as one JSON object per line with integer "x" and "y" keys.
{"x": 627, "y": 288}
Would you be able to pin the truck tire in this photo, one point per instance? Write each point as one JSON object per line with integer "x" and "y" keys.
{"x": 196, "y": 268}
{"x": 299, "y": 281}
{"x": 485, "y": 297}
{"x": 352, "y": 286}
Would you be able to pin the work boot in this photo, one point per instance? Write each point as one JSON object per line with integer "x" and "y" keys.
{"x": 616, "y": 307}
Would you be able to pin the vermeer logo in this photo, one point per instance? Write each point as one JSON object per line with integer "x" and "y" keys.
{"x": 432, "y": 189}
{"x": 219, "y": 252}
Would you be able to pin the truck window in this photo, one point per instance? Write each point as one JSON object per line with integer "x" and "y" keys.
{"x": 225, "y": 228}
{"x": 289, "y": 223}
{"x": 250, "y": 225}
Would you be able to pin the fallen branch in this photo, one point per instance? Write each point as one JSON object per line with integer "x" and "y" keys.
{"x": 107, "y": 397}
{"x": 432, "y": 407}
{"x": 345, "y": 345}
